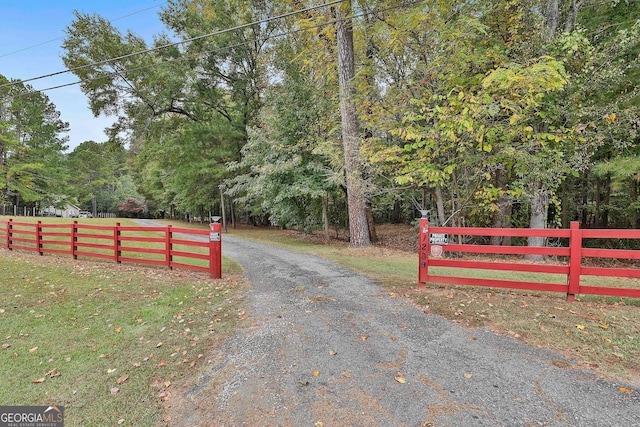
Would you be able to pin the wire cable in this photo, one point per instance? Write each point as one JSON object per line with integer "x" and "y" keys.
{"x": 189, "y": 40}
{"x": 120, "y": 72}
{"x": 60, "y": 38}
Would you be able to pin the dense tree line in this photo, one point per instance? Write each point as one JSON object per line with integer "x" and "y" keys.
{"x": 482, "y": 112}
{"x": 37, "y": 172}
{"x": 32, "y": 141}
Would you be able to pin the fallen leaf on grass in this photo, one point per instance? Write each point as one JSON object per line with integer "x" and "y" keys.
{"x": 33, "y": 350}
{"x": 38, "y": 381}
{"x": 581, "y": 327}
{"x": 115, "y": 390}
{"x": 5, "y": 346}
{"x": 122, "y": 379}
{"x": 161, "y": 364}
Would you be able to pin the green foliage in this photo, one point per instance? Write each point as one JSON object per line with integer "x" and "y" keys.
{"x": 31, "y": 144}
{"x": 285, "y": 177}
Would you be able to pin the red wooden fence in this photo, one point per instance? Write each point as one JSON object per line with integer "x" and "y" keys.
{"x": 118, "y": 243}
{"x": 436, "y": 242}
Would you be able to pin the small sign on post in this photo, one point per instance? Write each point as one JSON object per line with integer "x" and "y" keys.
{"x": 438, "y": 239}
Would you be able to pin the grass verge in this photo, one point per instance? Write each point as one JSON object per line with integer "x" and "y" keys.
{"x": 110, "y": 343}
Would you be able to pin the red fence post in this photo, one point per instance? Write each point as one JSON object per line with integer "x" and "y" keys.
{"x": 116, "y": 243}
{"x": 575, "y": 260}
{"x": 8, "y": 236}
{"x": 423, "y": 266}
{"x": 39, "y": 237}
{"x": 74, "y": 239}
{"x": 215, "y": 250}
{"x": 168, "y": 246}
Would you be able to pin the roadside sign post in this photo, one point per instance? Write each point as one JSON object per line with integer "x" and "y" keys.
{"x": 215, "y": 250}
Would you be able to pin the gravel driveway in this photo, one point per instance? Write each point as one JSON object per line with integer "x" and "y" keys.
{"x": 327, "y": 347}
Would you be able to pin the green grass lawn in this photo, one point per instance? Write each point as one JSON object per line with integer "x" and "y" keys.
{"x": 109, "y": 342}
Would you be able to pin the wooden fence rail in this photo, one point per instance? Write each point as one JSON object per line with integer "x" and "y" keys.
{"x": 436, "y": 242}
{"x": 161, "y": 246}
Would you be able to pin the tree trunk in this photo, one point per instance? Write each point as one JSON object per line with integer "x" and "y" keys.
{"x": 499, "y": 218}
{"x": 606, "y": 200}
{"x": 538, "y": 218}
{"x": 566, "y": 221}
{"x": 325, "y": 216}
{"x": 552, "y": 18}
{"x": 508, "y": 210}
{"x": 634, "y": 201}
{"x": 223, "y": 210}
{"x": 232, "y": 210}
{"x": 356, "y": 194}
{"x": 371, "y": 223}
{"x": 440, "y": 205}
{"x": 598, "y": 204}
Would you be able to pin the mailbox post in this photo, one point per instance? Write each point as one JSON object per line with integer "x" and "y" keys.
{"x": 215, "y": 249}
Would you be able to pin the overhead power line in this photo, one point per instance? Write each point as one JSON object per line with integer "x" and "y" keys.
{"x": 189, "y": 40}
{"x": 124, "y": 71}
{"x": 60, "y": 38}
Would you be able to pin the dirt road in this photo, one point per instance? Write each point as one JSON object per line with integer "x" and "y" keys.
{"x": 328, "y": 347}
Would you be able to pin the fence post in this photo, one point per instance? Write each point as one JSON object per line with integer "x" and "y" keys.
{"x": 74, "y": 239}
{"x": 9, "y": 228}
{"x": 39, "y": 237}
{"x": 215, "y": 250}
{"x": 575, "y": 260}
{"x": 168, "y": 246}
{"x": 423, "y": 265}
{"x": 116, "y": 243}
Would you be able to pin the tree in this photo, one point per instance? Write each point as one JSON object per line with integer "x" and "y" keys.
{"x": 186, "y": 108}
{"x": 31, "y": 144}
{"x": 95, "y": 170}
{"x": 286, "y": 176}
{"x": 356, "y": 190}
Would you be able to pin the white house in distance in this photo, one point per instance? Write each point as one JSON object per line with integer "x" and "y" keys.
{"x": 70, "y": 211}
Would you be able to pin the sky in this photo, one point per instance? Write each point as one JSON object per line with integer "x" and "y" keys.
{"x": 31, "y": 33}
